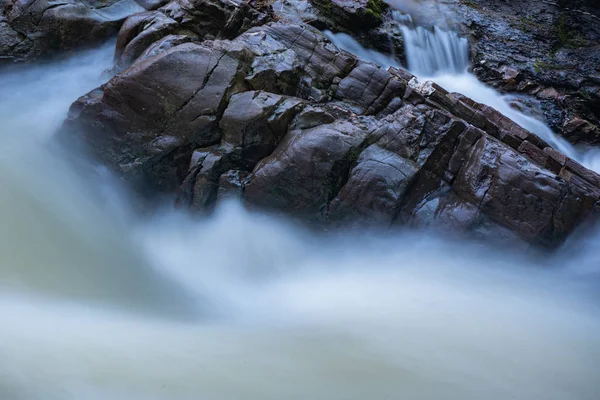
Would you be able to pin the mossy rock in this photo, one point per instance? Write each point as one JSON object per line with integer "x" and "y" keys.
{"x": 352, "y": 15}
{"x": 376, "y": 8}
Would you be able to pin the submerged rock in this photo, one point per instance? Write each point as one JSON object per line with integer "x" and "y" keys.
{"x": 282, "y": 119}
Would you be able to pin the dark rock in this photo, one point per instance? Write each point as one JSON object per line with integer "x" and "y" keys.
{"x": 197, "y": 19}
{"x": 33, "y": 28}
{"x": 162, "y": 106}
{"x": 369, "y": 88}
{"x": 376, "y": 186}
{"x": 199, "y": 190}
{"x": 546, "y": 48}
{"x": 139, "y": 32}
{"x": 349, "y": 145}
{"x": 254, "y": 123}
{"x": 307, "y": 170}
{"x": 354, "y": 15}
{"x": 231, "y": 185}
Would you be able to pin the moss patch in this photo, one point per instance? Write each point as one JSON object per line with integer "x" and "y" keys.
{"x": 541, "y": 66}
{"x": 566, "y": 37}
{"x": 470, "y": 3}
{"x": 376, "y": 8}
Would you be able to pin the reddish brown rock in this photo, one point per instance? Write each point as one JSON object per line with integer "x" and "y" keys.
{"x": 349, "y": 145}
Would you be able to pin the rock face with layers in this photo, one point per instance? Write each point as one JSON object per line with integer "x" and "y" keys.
{"x": 282, "y": 119}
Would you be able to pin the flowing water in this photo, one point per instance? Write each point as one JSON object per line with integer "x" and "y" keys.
{"x": 97, "y": 302}
{"x": 443, "y": 56}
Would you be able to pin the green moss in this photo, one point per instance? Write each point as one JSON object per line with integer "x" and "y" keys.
{"x": 528, "y": 24}
{"x": 376, "y": 8}
{"x": 326, "y": 7}
{"x": 564, "y": 35}
{"x": 567, "y": 37}
{"x": 541, "y": 66}
{"x": 469, "y": 3}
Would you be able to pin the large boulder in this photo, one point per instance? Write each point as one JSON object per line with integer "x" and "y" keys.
{"x": 33, "y": 28}
{"x": 146, "y": 121}
{"x": 287, "y": 122}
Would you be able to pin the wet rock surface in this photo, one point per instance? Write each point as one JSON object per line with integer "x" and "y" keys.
{"x": 184, "y": 20}
{"x": 353, "y": 15}
{"x": 34, "y": 28}
{"x": 548, "y": 49}
{"x": 366, "y": 20}
{"x": 279, "y": 117}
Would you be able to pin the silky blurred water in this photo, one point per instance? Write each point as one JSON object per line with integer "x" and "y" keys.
{"x": 97, "y": 302}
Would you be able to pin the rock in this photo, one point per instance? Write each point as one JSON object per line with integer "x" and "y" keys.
{"x": 354, "y": 15}
{"x": 547, "y": 48}
{"x": 159, "y": 109}
{"x": 369, "y": 88}
{"x": 33, "y": 28}
{"x": 306, "y": 170}
{"x": 199, "y": 190}
{"x": 375, "y": 187}
{"x": 350, "y": 144}
{"x": 547, "y": 94}
{"x": 369, "y": 21}
{"x": 231, "y": 185}
{"x": 580, "y": 129}
{"x": 138, "y": 32}
{"x": 197, "y": 19}
{"x": 254, "y": 123}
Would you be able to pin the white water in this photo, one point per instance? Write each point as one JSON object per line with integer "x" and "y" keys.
{"x": 443, "y": 57}
{"x": 348, "y": 43}
{"x": 97, "y": 303}
{"x": 430, "y": 52}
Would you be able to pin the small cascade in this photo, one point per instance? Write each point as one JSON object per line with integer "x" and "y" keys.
{"x": 443, "y": 56}
{"x": 432, "y": 52}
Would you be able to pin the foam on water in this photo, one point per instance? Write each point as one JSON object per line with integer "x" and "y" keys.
{"x": 92, "y": 295}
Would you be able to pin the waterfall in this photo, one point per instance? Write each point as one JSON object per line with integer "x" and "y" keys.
{"x": 433, "y": 52}
{"x": 443, "y": 57}
{"x": 402, "y": 18}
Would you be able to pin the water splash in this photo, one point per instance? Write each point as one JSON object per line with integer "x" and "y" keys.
{"x": 56, "y": 240}
{"x": 411, "y": 315}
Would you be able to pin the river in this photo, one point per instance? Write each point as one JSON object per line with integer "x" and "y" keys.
{"x": 99, "y": 302}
